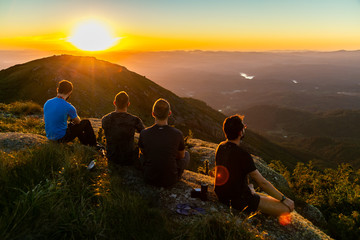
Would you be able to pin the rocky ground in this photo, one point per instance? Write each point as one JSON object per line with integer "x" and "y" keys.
{"x": 170, "y": 199}
{"x": 297, "y": 228}
{"x": 15, "y": 141}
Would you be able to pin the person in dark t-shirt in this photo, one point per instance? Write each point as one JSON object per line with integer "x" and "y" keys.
{"x": 233, "y": 166}
{"x": 163, "y": 149}
{"x": 119, "y": 127}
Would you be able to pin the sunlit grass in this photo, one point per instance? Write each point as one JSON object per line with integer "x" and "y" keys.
{"x": 21, "y": 108}
{"x": 47, "y": 192}
{"x": 24, "y": 124}
{"x": 221, "y": 227}
{"x": 18, "y": 117}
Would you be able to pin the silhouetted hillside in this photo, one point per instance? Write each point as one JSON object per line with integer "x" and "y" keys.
{"x": 95, "y": 84}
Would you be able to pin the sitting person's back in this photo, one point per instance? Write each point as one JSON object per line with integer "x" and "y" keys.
{"x": 233, "y": 167}
{"x": 119, "y": 127}
{"x": 234, "y": 164}
{"x": 163, "y": 149}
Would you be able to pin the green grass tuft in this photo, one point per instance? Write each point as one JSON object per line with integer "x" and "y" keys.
{"x": 21, "y": 108}
{"x": 219, "y": 227}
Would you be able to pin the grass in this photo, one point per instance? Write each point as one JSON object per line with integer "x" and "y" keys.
{"x": 21, "y": 108}
{"x": 48, "y": 193}
{"x": 18, "y": 117}
{"x": 218, "y": 227}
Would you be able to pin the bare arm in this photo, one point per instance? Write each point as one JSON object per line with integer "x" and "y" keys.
{"x": 76, "y": 120}
{"x": 270, "y": 189}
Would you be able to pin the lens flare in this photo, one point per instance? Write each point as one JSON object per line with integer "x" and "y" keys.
{"x": 221, "y": 175}
{"x": 285, "y": 219}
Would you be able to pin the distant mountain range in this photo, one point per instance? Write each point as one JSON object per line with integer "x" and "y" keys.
{"x": 332, "y": 137}
{"x": 234, "y": 81}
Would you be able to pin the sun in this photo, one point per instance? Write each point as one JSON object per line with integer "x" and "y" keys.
{"x": 92, "y": 35}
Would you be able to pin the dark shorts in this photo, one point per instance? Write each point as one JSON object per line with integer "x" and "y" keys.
{"x": 247, "y": 203}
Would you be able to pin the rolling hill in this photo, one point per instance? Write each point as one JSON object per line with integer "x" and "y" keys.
{"x": 95, "y": 84}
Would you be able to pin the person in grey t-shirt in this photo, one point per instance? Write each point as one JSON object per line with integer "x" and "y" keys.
{"x": 119, "y": 127}
{"x": 163, "y": 149}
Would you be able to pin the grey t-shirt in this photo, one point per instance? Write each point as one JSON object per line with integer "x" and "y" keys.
{"x": 160, "y": 146}
{"x": 119, "y": 128}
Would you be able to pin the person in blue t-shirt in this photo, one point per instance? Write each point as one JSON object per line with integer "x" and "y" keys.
{"x": 56, "y": 113}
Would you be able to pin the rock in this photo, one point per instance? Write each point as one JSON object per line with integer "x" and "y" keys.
{"x": 15, "y": 141}
{"x": 96, "y": 124}
{"x": 274, "y": 177}
{"x": 313, "y": 214}
{"x": 298, "y": 227}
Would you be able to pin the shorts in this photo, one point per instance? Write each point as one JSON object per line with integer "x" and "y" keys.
{"x": 247, "y": 202}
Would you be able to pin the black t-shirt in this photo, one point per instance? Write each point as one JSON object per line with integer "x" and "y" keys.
{"x": 160, "y": 146}
{"x": 119, "y": 128}
{"x": 233, "y": 165}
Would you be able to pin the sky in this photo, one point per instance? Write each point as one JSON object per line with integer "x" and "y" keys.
{"x": 160, "y": 25}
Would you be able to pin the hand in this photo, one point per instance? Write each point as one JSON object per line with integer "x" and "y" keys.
{"x": 251, "y": 186}
{"x": 289, "y": 203}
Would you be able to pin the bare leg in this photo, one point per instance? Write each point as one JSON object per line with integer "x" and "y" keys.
{"x": 271, "y": 206}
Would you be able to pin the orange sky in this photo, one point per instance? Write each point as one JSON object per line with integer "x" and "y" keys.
{"x": 186, "y": 25}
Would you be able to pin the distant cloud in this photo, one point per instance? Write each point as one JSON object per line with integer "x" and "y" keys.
{"x": 234, "y": 91}
{"x": 348, "y": 93}
{"x": 244, "y": 75}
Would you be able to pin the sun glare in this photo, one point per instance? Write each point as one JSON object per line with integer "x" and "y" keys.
{"x": 92, "y": 36}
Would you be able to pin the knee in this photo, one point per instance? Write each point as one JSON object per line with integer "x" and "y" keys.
{"x": 85, "y": 122}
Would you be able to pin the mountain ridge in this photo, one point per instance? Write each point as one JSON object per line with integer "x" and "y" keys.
{"x": 96, "y": 82}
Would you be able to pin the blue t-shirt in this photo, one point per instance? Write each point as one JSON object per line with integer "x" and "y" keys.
{"x": 56, "y": 112}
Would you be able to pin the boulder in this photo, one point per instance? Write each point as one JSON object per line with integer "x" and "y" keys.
{"x": 169, "y": 199}
{"x": 15, "y": 141}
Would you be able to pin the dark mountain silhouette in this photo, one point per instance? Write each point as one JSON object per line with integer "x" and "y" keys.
{"x": 95, "y": 84}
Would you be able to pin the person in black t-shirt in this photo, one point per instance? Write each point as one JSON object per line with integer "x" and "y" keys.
{"x": 119, "y": 127}
{"x": 233, "y": 166}
{"x": 163, "y": 149}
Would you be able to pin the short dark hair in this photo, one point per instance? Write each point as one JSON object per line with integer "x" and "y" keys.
{"x": 64, "y": 87}
{"x": 232, "y": 126}
{"x": 121, "y": 100}
{"x": 161, "y": 109}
